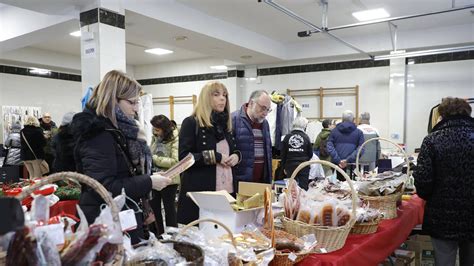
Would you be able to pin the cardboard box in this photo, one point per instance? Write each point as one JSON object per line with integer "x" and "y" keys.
{"x": 402, "y": 258}
{"x": 217, "y": 205}
{"x": 424, "y": 253}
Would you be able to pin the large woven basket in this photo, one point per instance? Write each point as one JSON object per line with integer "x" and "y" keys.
{"x": 92, "y": 183}
{"x": 387, "y": 205}
{"x": 280, "y": 258}
{"x": 365, "y": 228}
{"x": 233, "y": 260}
{"x": 329, "y": 238}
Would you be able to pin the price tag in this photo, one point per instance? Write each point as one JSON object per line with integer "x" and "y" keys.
{"x": 166, "y": 237}
{"x": 54, "y": 232}
{"x": 292, "y": 256}
{"x": 127, "y": 220}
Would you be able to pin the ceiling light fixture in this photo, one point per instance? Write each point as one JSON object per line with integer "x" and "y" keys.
{"x": 220, "y": 67}
{"x": 158, "y": 51}
{"x": 39, "y": 71}
{"x": 398, "y": 54}
{"x": 180, "y": 38}
{"x": 371, "y": 14}
{"x": 246, "y": 57}
{"x": 76, "y": 33}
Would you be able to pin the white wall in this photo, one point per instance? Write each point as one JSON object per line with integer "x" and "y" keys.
{"x": 182, "y": 110}
{"x": 427, "y": 85}
{"x": 52, "y": 95}
{"x": 373, "y": 90}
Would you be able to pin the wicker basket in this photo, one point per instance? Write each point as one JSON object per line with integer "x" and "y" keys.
{"x": 365, "y": 228}
{"x": 118, "y": 259}
{"x": 387, "y": 205}
{"x": 233, "y": 260}
{"x": 329, "y": 238}
{"x": 280, "y": 258}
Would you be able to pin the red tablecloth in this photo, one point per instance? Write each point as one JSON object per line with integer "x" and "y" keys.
{"x": 63, "y": 207}
{"x": 374, "y": 248}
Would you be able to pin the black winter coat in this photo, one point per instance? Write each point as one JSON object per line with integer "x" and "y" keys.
{"x": 200, "y": 141}
{"x": 36, "y": 139}
{"x": 296, "y": 148}
{"x": 63, "y": 148}
{"x": 98, "y": 154}
{"x": 444, "y": 177}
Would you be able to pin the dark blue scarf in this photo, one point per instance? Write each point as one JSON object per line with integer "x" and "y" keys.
{"x": 138, "y": 149}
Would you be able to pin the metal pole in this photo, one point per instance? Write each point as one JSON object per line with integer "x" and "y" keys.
{"x": 393, "y": 35}
{"x": 399, "y": 18}
{"x": 293, "y": 15}
{"x": 324, "y": 22}
{"x": 314, "y": 27}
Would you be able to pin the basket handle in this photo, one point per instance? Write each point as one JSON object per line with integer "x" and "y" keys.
{"x": 268, "y": 214}
{"x": 338, "y": 169}
{"x": 186, "y": 227}
{"x": 359, "y": 174}
{"x": 94, "y": 184}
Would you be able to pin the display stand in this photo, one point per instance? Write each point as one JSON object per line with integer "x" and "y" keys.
{"x": 324, "y": 92}
{"x": 172, "y": 100}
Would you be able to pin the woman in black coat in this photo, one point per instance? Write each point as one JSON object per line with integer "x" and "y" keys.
{"x": 207, "y": 135}
{"x": 32, "y": 145}
{"x": 444, "y": 177}
{"x": 63, "y": 146}
{"x": 109, "y": 147}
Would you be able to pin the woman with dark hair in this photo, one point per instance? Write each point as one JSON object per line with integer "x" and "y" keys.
{"x": 164, "y": 147}
{"x": 207, "y": 135}
{"x": 444, "y": 177}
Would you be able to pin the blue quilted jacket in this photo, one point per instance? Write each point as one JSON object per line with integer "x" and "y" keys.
{"x": 344, "y": 141}
{"x": 243, "y": 134}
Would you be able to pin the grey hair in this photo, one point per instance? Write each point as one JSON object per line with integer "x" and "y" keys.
{"x": 365, "y": 117}
{"x": 300, "y": 123}
{"x": 348, "y": 116}
{"x": 256, "y": 94}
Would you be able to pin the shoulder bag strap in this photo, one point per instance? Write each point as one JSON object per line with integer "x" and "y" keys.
{"x": 28, "y": 145}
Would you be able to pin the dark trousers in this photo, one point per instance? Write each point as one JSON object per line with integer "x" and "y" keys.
{"x": 340, "y": 177}
{"x": 167, "y": 195}
{"x": 446, "y": 250}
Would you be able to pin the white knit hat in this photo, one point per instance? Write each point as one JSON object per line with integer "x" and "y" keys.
{"x": 67, "y": 118}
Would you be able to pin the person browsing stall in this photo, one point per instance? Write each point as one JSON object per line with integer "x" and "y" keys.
{"x": 297, "y": 148}
{"x": 111, "y": 148}
{"x": 164, "y": 147}
{"x": 444, "y": 177}
{"x": 252, "y": 133}
{"x": 207, "y": 135}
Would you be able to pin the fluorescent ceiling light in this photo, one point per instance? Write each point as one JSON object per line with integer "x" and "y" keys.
{"x": 425, "y": 52}
{"x": 371, "y": 14}
{"x": 39, "y": 71}
{"x": 76, "y": 33}
{"x": 158, "y": 51}
{"x": 221, "y": 67}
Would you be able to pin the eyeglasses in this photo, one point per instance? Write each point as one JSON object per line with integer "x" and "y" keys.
{"x": 134, "y": 103}
{"x": 264, "y": 108}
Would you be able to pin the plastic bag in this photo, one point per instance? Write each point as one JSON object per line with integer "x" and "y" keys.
{"x": 156, "y": 253}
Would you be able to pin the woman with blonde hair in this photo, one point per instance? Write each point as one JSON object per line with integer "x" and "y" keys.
{"x": 207, "y": 134}
{"x": 32, "y": 145}
{"x": 110, "y": 147}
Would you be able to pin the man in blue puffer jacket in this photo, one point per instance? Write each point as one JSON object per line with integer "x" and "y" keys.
{"x": 344, "y": 141}
{"x": 252, "y": 136}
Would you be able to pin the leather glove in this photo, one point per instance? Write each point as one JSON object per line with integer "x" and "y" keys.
{"x": 158, "y": 182}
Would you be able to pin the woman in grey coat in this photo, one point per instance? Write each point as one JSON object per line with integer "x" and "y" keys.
{"x": 13, "y": 144}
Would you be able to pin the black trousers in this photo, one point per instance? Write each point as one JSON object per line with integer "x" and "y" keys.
{"x": 167, "y": 196}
